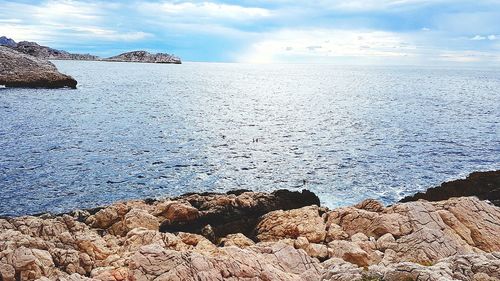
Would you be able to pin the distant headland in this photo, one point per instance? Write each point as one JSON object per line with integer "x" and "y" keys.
{"x": 47, "y": 53}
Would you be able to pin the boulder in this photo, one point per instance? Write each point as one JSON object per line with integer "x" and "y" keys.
{"x": 21, "y": 70}
{"x": 305, "y": 222}
{"x": 237, "y": 239}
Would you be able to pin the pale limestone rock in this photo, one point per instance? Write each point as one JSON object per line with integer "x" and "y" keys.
{"x": 304, "y": 222}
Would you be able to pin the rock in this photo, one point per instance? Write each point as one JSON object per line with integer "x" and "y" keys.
{"x": 176, "y": 214}
{"x": 272, "y": 262}
{"x": 385, "y": 242}
{"x": 335, "y": 232}
{"x": 305, "y": 222}
{"x": 359, "y": 237}
{"x": 348, "y": 251}
{"x": 484, "y": 185}
{"x": 4, "y": 41}
{"x": 106, "y": 217}
{"x": 143, "y": 56}
{"x": 237, "y": 239}
{"x": 456, "y": 239}
{"x": 235, "y": 212}
{"x": 139, "y": 218}
{"x": 7, "y": 272}
{"x": 370, "y": 205}
{"x": 458, "y": 267}
{"x": 20, "y": 70}
{"x": 337, "y": 269}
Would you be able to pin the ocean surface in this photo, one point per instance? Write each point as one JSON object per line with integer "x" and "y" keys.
{"x": 148, "y": 130}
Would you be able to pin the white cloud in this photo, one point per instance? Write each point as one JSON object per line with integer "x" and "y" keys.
{"x": 206, "y": 10}
{"x": 53, "y": 20}
{"x": 305, "y": 45}
{"x": 490, "y": 37}
{"x": 478, "y": 38}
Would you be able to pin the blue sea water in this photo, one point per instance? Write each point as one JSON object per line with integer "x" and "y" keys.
{"x": 152, "y": 130}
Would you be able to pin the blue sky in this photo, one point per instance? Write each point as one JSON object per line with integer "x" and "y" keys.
{"x": 422, "y": 32}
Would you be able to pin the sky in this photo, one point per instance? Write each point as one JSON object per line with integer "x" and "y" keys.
{"x": 373, "y": 32}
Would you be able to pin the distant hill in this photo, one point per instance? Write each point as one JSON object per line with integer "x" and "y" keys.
{"x": 44, "y": 52}
{"x": 143, "y": 56}
{"x": 4, "y": 41}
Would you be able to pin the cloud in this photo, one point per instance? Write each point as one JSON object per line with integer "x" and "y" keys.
{"x": 326, "y": 44}
{"x": 206, "y": 10}
{"x": 52, "y": 21}
{"x": 478, "y": 38}
{"x": 490, "y": 37}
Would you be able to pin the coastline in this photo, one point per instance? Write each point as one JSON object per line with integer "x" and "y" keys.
{"x": 282, "y": 235}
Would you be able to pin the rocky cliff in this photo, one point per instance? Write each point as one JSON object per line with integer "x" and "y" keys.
{"x": 143, "y": 56}
{"x": 484, "y": 185}
{"x": 256, "y": 236}
{"x": 21, "y": 70}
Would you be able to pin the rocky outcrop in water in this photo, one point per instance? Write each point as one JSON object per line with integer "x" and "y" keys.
{"x": 484, "y": 185}
{"x": 456, "y": 239}
{"x": 21, "y": 70}
{"x": 143, "y": 56}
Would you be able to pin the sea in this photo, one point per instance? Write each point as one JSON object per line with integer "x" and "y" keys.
{"x": 347, "y": 133}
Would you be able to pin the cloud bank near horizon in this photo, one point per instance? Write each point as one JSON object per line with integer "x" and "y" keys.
{"x": 425, "y": 32}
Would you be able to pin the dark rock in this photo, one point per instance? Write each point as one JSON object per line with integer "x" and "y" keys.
{"x": 236, "y": 213}
{"x": 4, "y": 41}
{"x": 143, "y": 56}
{"x": 21, "y": 70}
{"x": 483, "y": 185}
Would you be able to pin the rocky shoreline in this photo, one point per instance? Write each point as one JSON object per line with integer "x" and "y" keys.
{"x": 21, "y": 70}
{"x": 244, "y": 235}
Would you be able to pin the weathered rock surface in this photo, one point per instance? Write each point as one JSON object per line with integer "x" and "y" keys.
{"x": 21, "y": 70}
{"x": 483, "y": 185}
{"x": 143, "y": 56}
{"x": 456, "y": 239}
